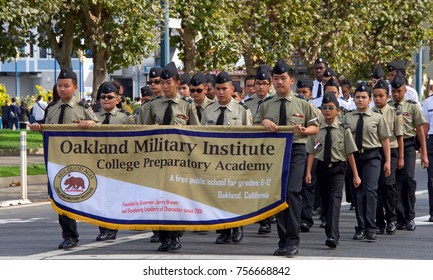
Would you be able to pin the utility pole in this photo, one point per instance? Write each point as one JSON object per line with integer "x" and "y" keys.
{"x": 165, "y": 39}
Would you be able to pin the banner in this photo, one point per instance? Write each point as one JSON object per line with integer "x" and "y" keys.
{"x": 167, "y": 177}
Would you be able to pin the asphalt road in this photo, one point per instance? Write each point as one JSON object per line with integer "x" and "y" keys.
{"x": 31, "y": 232}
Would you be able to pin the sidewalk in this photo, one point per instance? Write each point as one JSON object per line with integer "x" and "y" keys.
{"x": 36, "y": 185}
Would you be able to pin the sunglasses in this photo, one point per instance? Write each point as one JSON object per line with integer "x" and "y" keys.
{"x": 328, "y": 108}
{"x": 156, "y": 82}
{"x": 198, "y": 90}
{"x": 109, "y": 97}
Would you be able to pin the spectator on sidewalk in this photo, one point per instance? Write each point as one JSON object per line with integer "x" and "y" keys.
{"x": 38, "y": 110}
{"x": 5, "y": 115}
{"x": 24, "y": 116}
{"x": 14, "y": 112}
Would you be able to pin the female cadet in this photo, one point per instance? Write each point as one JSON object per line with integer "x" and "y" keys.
{"x": 371, "y": 133}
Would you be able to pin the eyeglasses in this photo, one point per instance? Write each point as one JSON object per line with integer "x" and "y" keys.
{"x": 262, "y": 84}
{"x": 249, "y": 86}
{"x": 328, "y": 108}
{"x": 109, "y": 97}
{"x": 198, "y": 90}
{"x": 156, "y": 82}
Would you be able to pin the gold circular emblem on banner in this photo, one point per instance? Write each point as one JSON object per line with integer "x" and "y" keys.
{"x": 75, "y": 183}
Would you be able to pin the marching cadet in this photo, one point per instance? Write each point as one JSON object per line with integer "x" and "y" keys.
{"x": 210, "y": 79}
{"x": 427, "y": 110}
{"x": 386, "y": 189}
{"x": 331, "y": 146}
{"x": 170, "y": 109}
{"x": 371, "y": 134}
{"x": 154, "y": 83}
{"x": 262, "y": 82}
{"x": 226, "y": 111}
{"x": 67, "y": 110}
{"x": 286, "y": 108}
{"x": 110, "y": 114}
{"x": 184, "y": 86}
{"x": 198, "y": 89}
{"x": 399, "y": 66}
{"x": 250, "y": 88}
{"x": 413, "y": 122}
{"x": 310, "y": 193}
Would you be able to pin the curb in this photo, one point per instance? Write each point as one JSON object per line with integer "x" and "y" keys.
{"x": 13, "y": 152}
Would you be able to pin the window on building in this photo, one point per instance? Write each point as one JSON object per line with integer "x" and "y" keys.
{"x": 43, "y": 53}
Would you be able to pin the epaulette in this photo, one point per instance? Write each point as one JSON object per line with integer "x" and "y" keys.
{"x": 412, "y": 102}
{"x": 344, "y": 110}
{"x": 249, "y": 99}
{"x": 187, "y": 99}
{"x": 376, "y": 111}
{"x": 389, "y": 101}
{"x": 268, "y": 98}
{"x": 301, "y": 96}
{"x": 150, "y": 100}
{"x": 50, "y": 105}
{"x": 97, "y": 110}
{"x": 155, "y": 98}
{"x": 84, "y": 104}
{"x": 243, "y": 105}
{"x": 125, "y": 112}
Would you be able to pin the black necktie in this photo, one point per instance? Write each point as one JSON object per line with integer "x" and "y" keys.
{"x": 168, "y": 113}
{"x": 259, "y": 105}
{"x": 397, "y": 105}
{"x": 359, "y": 129}
{"x": 319, "y": 90}
{"x": 220, "y": 120}
{"x": 62, "y": 113}
{"x": 107, "y": 118}
{"x": 283, "y": 115}
{"x": 198, "y": 112}
{"x": 328, "y": 146}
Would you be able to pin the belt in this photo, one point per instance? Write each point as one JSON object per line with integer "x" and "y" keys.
{"x": 366, "y": 151}
{"x": 330, "y": 165}
{"x": 298, "y": 144}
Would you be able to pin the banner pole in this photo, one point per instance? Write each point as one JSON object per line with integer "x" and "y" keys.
{"x": 23, "y": 156}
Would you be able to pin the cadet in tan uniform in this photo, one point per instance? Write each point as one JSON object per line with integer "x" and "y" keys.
{"x": 154, "y": 83}
{"x": 413, "y": 122}
{"x": 226, "y": 111}
{"x": 386, "y": 190}
{"x": 198, "y": 89}
{"x": 183, "y": 89}
{"x": 287, "y": 108}
{"x": 332, "y": 146}
{"x": 67, "y": 110}
{"x": 110, "y": 114}
{"x": 371, "y": 134}
{"x": 263, "y": 85}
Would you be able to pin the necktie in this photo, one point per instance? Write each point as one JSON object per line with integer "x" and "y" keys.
{"x": 220, "y": 120}
{"x": 107, "y": 118}
{"x": 168, "y": 113}
{"x": 62, "y": 113}
{"x": 319, "y": 90}
{"x": 283, "y": 115}
{"x": 328, "y": 146}
{"x": 259, "y": 105}
{"x": 198, "y": 112}
{"x": 397, "y": 105}
{"x": 359, "y": 129}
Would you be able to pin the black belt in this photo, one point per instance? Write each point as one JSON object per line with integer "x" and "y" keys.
{"x": 330, "y": 165}
{"x": 366, "y": 151}
{"x": 298, "y": 144}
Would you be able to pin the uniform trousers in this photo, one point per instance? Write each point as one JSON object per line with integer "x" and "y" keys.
{"x": 386, "y": 193}
{"x": 331, "y": 182}
{"x": 288, "y": 220}
{"x": 368, "y": 165}
{"x": 405, "y": 186}
{"x": 430, "y": 173}
{"x": 165, "y": 236}
{"x": 308, "y": 197}
{"x": 69, "y": 227}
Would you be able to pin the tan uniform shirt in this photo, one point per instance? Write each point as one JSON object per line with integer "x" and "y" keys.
{"x": 184, "y": 112}
{"x": 342, "y": 142}
{"x": 298, "y": 110}
{"x": 375, "y": 128}
{"x": 206, "y": 102}
{"x": 74, "y": 111}
{"x": 412, "y": 116}
{"x": 116, "y": 116}
{"x": 394, "y": 121}
{"x": 235, "y": 114}
{"x": 142, "y": 112}
{"x": 255, "y": 104}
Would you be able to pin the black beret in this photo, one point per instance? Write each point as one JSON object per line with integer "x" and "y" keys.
{"x": 262, "y": 75}
{"x": 264, "y": 67}
{"x": 378, "y": 73}
{"x": 398, "y": 81}
{"x": 330, "y": 97}
{"x": 331, "y": 83}
{"x": 398, "y": 65}
{"x": 107, "y": 87}
{"x": 145, "y": 91}
{"x": 198, "y": 79}
{"x": 155, "y": 72}
{"x": 381, "y": 84}
{"x": 67, "y": 74}
{"x": 282, "y": 67}
{"x": 223, "y": 77}
{"x": 329, "y": 72}
{"x": 320, "y": 60}
{"x": 170, "y": 71}
{"x": 184, "y": 79}
{"x": 362, "y": 87}
{"x": 304, "y": 83}
{"x": 209, "y": 78}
